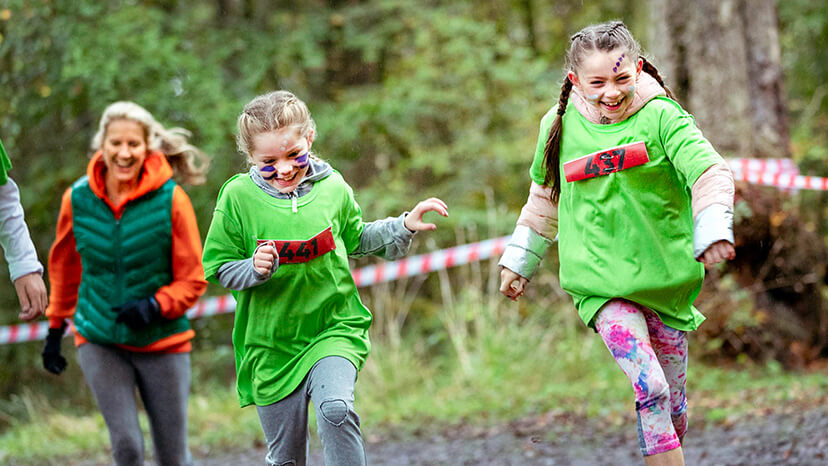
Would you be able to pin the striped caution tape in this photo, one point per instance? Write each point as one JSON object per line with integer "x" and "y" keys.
{"x": 779, "y": 173}
{"x": 366, "y": 276}
{"x": 782, "y": 180}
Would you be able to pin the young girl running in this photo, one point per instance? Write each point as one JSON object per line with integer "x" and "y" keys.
{"x": 280, "y": 238}
{"x": 126, "y": 266}
{"x": 636, "y": 196}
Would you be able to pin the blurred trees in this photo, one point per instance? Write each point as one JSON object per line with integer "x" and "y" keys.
{"x": 724, "y": 61}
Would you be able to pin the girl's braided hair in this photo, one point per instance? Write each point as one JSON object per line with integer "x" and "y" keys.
{"x": 604, "y": 37}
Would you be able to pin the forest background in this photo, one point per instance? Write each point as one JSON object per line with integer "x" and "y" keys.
{"x": 412, "y": 99}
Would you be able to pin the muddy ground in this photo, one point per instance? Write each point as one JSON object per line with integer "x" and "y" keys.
{"x": 788, "y": 435}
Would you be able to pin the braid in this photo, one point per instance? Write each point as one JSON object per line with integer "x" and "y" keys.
{"x": 650, "y": 69}
{"x": 552, "y": 152}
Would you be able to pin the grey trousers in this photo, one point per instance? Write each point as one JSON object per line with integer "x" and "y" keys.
{"x": 163, "y": 382}
{"x": 330, "y": 386}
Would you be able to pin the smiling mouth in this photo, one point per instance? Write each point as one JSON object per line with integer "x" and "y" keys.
{"x": 287, "y": 180}
{"x": 613, "y": 107}
{"x": 124, "y": 165}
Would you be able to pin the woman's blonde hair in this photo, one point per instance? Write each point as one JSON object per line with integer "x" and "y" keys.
{"x": 270, "y": 112}
{"x": 188, "y": 162}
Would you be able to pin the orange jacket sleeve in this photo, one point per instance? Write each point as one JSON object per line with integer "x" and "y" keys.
{"x": 64, "y": 267}
{"x": 188, "y": 274}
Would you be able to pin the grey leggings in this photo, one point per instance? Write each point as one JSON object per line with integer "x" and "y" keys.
{"x": 330, "y": 385}
{"x": 163, "y": 382}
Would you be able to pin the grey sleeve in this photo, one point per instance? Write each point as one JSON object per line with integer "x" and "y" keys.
{"x": 14, "y": 234}
{"x": 240, "y": 275}
{"x": 387, "y": 238}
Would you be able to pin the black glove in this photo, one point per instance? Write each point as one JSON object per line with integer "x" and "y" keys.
{"x": 139, "y": 313}
{"x": 52, "y": 360}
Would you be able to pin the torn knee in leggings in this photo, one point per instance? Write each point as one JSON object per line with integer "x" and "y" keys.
{"x": 334, "y": 411}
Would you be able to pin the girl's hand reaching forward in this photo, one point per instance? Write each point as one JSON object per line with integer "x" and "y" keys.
{"x": 414, "y": 220}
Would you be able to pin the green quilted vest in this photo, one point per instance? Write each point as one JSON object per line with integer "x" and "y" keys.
{"x": 122, "y": 260}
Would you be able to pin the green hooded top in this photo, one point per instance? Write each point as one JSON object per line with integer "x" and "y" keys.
{"x": 307, "y": 310}
{"x": 629, "y": 234}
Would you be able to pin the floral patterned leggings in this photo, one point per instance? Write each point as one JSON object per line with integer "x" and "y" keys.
{"x": 654, "y": 357}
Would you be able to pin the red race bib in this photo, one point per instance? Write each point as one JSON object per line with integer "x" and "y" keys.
{"x": 297, "y": 252}
{"x": 606, "y": 161}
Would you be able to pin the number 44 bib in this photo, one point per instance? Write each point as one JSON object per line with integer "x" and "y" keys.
{"x": 297, "y": 252}
{"x": 606, "y": 161}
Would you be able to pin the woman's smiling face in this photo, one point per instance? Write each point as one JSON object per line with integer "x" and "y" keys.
{"x": 282, "y": 157}
{"x": 124, "y": 150}
{"x": 607, "y": 80}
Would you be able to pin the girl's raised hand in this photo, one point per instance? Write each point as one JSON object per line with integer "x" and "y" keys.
{"x": 264, "y": 258}
{"x": 717, "y": 252}
{"x": 414, "y": 220}
{"x": 512, "y": 285}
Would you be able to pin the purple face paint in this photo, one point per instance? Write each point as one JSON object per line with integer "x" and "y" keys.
{"x": 618, "y": 63}
{"x": 302, "y": 160}
{"x": 270, "y": 170}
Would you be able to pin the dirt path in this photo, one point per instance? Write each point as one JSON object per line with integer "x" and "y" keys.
{"x": 766, "y": 438}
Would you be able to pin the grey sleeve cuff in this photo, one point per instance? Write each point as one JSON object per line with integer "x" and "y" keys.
{"x": 387, "y": 238}
{"x": 524, "y": 251}
{"x": 14, "y": 234}
{"x": 714, "y": 223}
{"x": 240, "y": 275}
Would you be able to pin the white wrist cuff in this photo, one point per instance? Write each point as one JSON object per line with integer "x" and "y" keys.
{"x": 524, "y": 251}
{"x": 714, "y": 223}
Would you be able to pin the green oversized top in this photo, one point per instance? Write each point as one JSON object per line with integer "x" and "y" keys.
{"x": 5, "y": 165}
{"x": 307, "y": 310}
{"x": 629, "y": 234}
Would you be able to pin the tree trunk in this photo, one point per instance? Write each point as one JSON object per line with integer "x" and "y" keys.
{"x": 722, "y": 58}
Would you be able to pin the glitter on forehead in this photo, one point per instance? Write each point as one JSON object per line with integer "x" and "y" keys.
{"x": 618, "y": 63}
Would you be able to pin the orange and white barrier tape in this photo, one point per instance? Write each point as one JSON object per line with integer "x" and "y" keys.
{"x": 366, "y": 276}
{"x": 779, "y": 173}
{"x": 763, "y": 165}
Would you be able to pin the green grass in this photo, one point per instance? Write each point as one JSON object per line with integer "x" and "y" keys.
{"x": 485, "y": 365}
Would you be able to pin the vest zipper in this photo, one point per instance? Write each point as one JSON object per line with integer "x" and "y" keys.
{"x": 119, "y": 282}
{"x": 293, "y": 198}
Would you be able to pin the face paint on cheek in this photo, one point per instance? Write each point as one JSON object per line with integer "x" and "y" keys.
{"x": 631, "y": 90}
{"x": 268, "y": 172}
{"x": 593, "y": 99}
{"x": 302, "y": 160}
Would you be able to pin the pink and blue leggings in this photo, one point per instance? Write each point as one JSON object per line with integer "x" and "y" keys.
{"x": 654, "y": 357}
